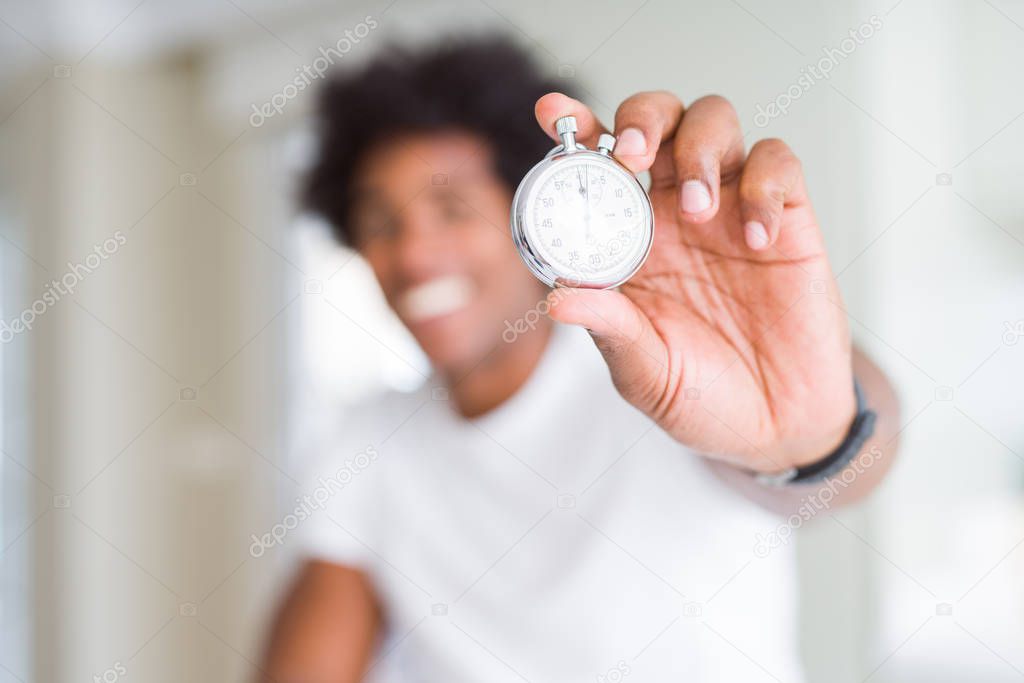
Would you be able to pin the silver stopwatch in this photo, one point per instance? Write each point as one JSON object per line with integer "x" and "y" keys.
{"x": 579, "y": 217}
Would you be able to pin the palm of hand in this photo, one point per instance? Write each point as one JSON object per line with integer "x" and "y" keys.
{"x": 750, "y": 353}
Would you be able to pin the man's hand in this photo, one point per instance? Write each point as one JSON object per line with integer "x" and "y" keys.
{"x": 731, "y": 336}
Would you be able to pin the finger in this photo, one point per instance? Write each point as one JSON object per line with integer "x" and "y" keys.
{"x": 635, "y": 354}
{"x": 772, "y": 178}
{"x": 555, "y": 105}
{"x": 641, "y": 123}
{"x": 708, "y": 146}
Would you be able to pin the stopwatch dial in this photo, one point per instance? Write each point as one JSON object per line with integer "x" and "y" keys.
{"x": 583, "y": 186}
{"x": 588, "y": 220}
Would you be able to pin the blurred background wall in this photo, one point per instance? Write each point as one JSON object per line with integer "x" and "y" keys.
{"x": 147, "y": 418}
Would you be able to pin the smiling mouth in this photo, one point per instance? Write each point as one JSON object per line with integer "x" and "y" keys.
{"x": 435, "y": 298}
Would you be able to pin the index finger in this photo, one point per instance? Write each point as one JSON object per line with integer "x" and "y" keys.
{"x": 642, "y": 122}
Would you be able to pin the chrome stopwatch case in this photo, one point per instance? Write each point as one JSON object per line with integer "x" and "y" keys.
{"x": 580, "y": 218}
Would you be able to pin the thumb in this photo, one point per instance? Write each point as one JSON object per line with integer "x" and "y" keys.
{"x": 635, "y": 353}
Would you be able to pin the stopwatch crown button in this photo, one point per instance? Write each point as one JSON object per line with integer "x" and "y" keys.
{"x": 566, "y": 124}
{"x": 605, "y": 143}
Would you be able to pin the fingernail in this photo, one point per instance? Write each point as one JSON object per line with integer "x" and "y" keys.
{"x": 696, "y": 197}
{"x": 631, "y": 142}
{"x": 757, "y": 236}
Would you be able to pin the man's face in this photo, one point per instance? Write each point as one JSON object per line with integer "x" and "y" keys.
{"x": 431, "y": 218}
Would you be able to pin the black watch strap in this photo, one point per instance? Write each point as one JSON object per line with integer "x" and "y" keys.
{"x": 861, "y": 430}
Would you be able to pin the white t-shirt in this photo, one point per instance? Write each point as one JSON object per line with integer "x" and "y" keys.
{"x": 561, "y": 537}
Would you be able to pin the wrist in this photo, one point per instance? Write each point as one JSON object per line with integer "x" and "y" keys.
{"x": 827, "y": 442}
{"x": 830, "y": 462}
{"x": 795, "y": 453}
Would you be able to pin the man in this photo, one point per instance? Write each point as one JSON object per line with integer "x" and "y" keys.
{"x": 543, "y": 510}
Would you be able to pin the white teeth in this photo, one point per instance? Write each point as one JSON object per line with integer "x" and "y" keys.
{"x": 436, "y": 297}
